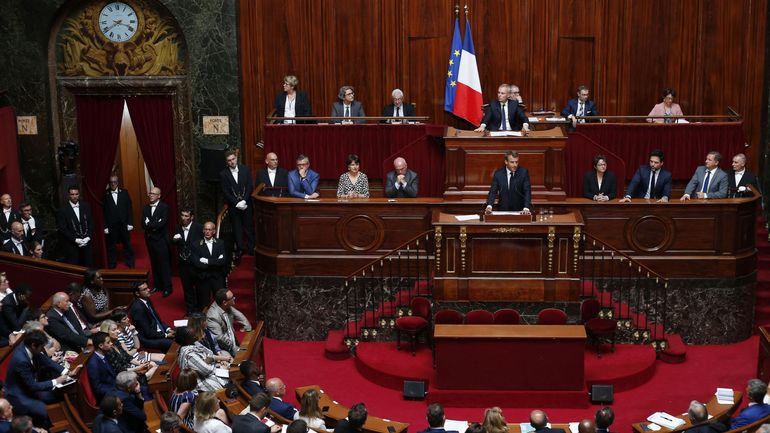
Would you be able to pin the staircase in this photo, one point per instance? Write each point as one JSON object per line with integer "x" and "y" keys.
{"x": 762, "y": 301}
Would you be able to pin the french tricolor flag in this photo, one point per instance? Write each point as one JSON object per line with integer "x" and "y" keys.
{"x": 468, "y": 98}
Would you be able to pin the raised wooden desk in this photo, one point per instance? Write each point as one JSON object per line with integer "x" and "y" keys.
{"x": 510, "y": 357}
{"x": 718, "y": 412}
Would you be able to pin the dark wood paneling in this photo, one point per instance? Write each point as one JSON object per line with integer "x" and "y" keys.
{"x": 710, "y": 52}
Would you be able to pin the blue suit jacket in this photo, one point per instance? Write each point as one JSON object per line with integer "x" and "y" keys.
{"x": 518, "y": 197}
{"x": 298, "y": 187}
{"x": 437, "y": 430}
{"x": 572, "y": 108}
{"x": 106, "y": 425}
{"x": 282, "y": 408}
{"x": 750, "y": 414}
{"x": 638, "y": 186}
{"x": 22, "y": 384}
{"x": 5, "y": 426}
{"x": 101, "y": 375}
{"x": 133, "y": 418}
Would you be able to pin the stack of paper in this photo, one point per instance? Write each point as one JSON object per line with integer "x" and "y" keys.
{"x": 455, "y": 425}
{"x": 725, "y": 396}
{"x": 573, "y": 427}
{"x": 669, "y": 421}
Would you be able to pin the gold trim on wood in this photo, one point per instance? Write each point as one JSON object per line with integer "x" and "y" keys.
{"x": 437, "y": 239}
{"x": 551, "y": 238}
{"x": 508, "y": 230}
{"x": 576, "y": 235}
{"x": 463, "y": 246}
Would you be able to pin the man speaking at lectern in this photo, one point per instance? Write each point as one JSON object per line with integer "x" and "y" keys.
{"x": 511, "y": 185}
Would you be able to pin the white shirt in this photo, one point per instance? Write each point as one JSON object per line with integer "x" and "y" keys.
{"x": 234, "y": 172}
{"x": 271, "y": 174}
{"x": 739, "y": 176}
{"x": 186, "y": 231}
{"x": 114, "y": 194}
{"x": 152, "y": 208}
{"x": 76, "y": 209}
{"x": 210, "y": 245}
{"x": 290, "y": 109}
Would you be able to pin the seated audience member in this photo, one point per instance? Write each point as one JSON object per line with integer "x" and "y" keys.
{"x": 764, "y": 428}
{"x": 401, "y": 182}
{"x": 197, "y": 325}
{"x": 398, "y": 108}
{"x": 129, "y": 392}
{"x": 586, "y": 426}
{"x": 17, "y": 244}
{"x": 475, "y": 428}
{"x": 153, "y": 333}
{"x": 539, "y": 421}
{"x": 600, "y": 184}
{"x": 101, "y": 374}
{"x": 757, "y": 409}
{"x": 75, "y": 293}
{"x": 303, "y": 182}
{"x": 110, "y": 409}
{"x": 221, "y": 317}
{"x": 604, "y": 419}
{"x": 23, "y": 424}
{"x": 291, "y": 102}
{"x": 170, "y": 422}
{"x": 64, "y": 326}
{"x": 494, "y": 422}
{"x": 353, "y": 183}
{"x": 310, "y": 410}
{"x": 25, "y": 388}
{"x": 503, "y": 114}
{"x": 650, "y": 181}
{"x": 52, "y": 347}
{"x": 128, "y": 338}
{"x": 739, "y": 180}
{"x": 183, "y": 399}
{"x": 514, "y": 94}
{"x": 277, "y": 389}
{"x": 356, "y": 419}
{"x": 708, "y": 181}
{"x": 15, "y": 307}
{"x": 699, "y": 415}
{"x": 274, "y": 178}
{"x": 436, "y": 419}
{"x": 348, "y": 107}
{"x": 94, "y": 303}
{"x": 298, "y": 426}
{"x": 194, "y": 355}
{"x": 5, "y": 286}
{"x": 253, "y": 377}
{"x": 37, "y": 250}
{"x": 667, "y": 108}
{"x": 206, "y": 419}
{"x": 120, "y": 360}
{"x": 6, "y": 415}
{"x": 580, "y": 106}
{"x": 251, "y": 422}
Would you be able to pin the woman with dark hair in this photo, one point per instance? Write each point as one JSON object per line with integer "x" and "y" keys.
{"x": 128, "y": 338}
{"x": 600, "y": 184}
{"x": 291, "y": 102}
{"x": 94, "y": 303}
{"x": 183, "y": 399}
{"x": 353, "y": 183}
{"x": 310, "y": 411}
{"x": 666, "y": 108}
{"x": 196, "y": 325}
{"x": 38, "y": 321}
{"x": 37, "y": 250}
{"x": 194, "y": 355}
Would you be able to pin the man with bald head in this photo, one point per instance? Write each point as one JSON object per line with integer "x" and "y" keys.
{"x": 64, "y": 326}
{"x": 154, "y": 223}
{"x": 699, "y": 416}
{"x": 208, "y": 257}
{"x": 9, "y": 215}
{"x": 401, "y": 182}
{"x": 16, "y": 244}
{"x": 277, "y": 389}
{"x": 740, "y": 181}
{"x": 539, "y": 421}
{"x": 6, "y": 415}
{"x": 586, "y": 426}
{"x": 118, "y": 222}
{"x": 275, "y": 179}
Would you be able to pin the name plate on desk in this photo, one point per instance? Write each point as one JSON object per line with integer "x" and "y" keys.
{"x": 508, "y": 217}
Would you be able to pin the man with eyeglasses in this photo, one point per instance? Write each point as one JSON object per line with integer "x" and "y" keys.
{"x": 303, "y": 182}
{"x": 221, "y": 317}
{"x": 208, "y": 257}
{"x": 154, "y": 222}
{"x": 398, "y": 108}
{"x": 348, "y": 107}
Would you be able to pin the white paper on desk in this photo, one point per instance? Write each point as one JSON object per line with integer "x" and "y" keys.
{"x": 573, "y": 427}
{"x": 466, "y": 218}
{"x": 555, "y": 119}
{"x": 284, "y": 428}
{"x": 268, "y": 422}
{"x": 533, "y": 119}
{"x": 312, "y": 199}
{"x": 456, "y": 425}
{"x": 180, "y": 323}
{"x": 67, "y": 383}
{"x": 221, "y": 372}
{"x": 665, "y": 420}
{"x": 527, "y": 427}
{"x": 505, "y": 134}
{"x": 725, "y": 396}
{"x": 682, "y": 121}
{"x": 652, "y": 426}
{"x": 507, "y": 212}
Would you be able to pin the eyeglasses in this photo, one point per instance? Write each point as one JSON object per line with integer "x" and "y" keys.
{"x": 231, "y": 299}
{"x": 349, "y": 94}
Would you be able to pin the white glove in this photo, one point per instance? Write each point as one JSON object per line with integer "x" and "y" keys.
{"x": 106, "y": 231}
{"x": 129, "y": 227}
{"x": 204, "y": 260}
{"x": 241, "y": 205}
{"x": 177, "y": 236}
{"x": 146, "y": 220}
{"x": 80, "y": 242}
{"x": 86, "y": 240}
{"x": 221, "y": 257}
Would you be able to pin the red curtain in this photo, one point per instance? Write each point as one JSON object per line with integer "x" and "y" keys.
{"x": 153, "y": 120}
{"x": 99, "y": 119}
{"x": 10, "y": 172}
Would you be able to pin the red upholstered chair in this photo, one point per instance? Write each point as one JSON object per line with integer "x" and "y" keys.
{"x": 507, "y": 316}
{"x": 552, "y": 316}
{"x": 597, "y": 327}
{"x": 448, "y": 317}
{"x": 479, "y": 317}
{"x": 415, "y": 324}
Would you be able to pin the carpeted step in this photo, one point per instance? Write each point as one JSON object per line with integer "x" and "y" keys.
{"x": 335, "y": 347}
{"x": 676, "y": 350}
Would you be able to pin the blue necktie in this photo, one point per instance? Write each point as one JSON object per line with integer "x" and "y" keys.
{"x": 706, "y": 182}
{"x": 154, "y": 316}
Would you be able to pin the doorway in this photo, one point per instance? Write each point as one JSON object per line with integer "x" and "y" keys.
{"x": 130, "y": 168}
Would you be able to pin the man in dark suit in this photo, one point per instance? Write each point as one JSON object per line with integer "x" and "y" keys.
{"x": 436, "y": 420}
{"x": 650, "y": 181}
{"x": 154, "y": 222}
{"x": 401, "y": 182}
{"x": 503, "y": 114}
{"x": 356, "y": 419}
{"x": 9, "y": 215}
{"x": 208, "y": 256}
{"x": 153, "y": 333}
{"x": 348, "y": 107}
{"x": 511, "y": 186}
{"x": 277, "y": 389}
{"x": 118, "y": 221}
{"x": 129, "y": 392}
{"x": 188, "y": 233}
{"x": 6, "y": 415}
{"x": 708, "y": 181}
{"x": 580, "y": 106}
{"x": 252, "y": 421}
{"x": 75, "y": 225}
{"x": 757, "y": 409}
{"x": 32, "y": 377}
{"x": 33, "y": 231}
{"x": 15, "y": 308}
{"x": 740, "y": 182}
{"x": 539, "y": 421}
{"x": 17, "y": 244}
{"x": 100, "y": 372}
{"x": 108, "y": 419}
{"x": 275, "y": 179}
{"x": 398, "y": 108}
{"x": 237, "y": 187}
{"x": 604, "y": 419}
{"x": 64, "y": 326}
{"x": 699, "y": 416}
{"x": 253, "y": 378}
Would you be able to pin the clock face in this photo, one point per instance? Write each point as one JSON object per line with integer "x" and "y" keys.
{"x": 118, "y": 21}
